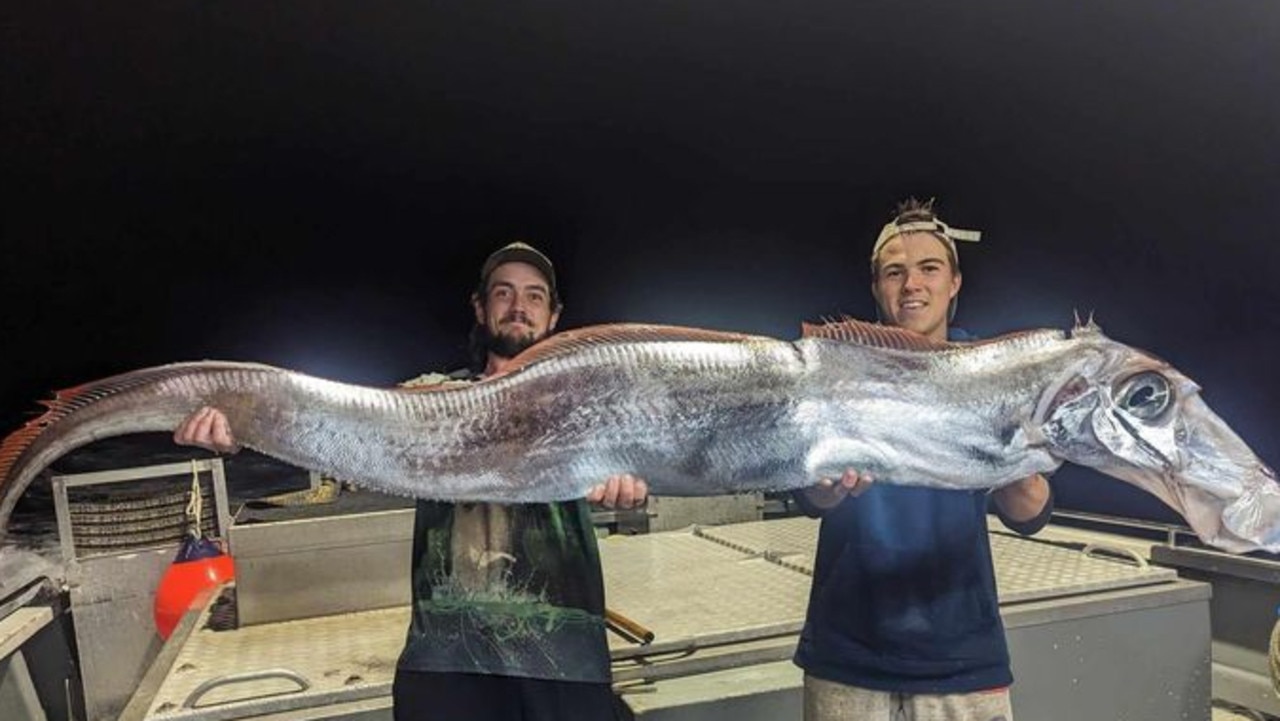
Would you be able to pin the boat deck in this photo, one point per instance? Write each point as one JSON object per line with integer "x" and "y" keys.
{"x": 716, "y": 598}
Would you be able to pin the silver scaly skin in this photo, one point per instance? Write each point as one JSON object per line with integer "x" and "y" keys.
{"x": 698, "y": 412}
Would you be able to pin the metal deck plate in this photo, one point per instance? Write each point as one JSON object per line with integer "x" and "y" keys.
{"x": 342, "y": 657}
{"x": 790, "y": 542}
{"x": 693, "y": 589}
{"x": 1026, "y": 569}
{"x": 684, "y": 588}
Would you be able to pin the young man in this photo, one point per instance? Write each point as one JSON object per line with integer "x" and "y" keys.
{"x": 903, "y": 622}
{"x": 508, "y": 601}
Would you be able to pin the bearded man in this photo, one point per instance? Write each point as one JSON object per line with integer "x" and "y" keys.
{"x": 508, "y": 600}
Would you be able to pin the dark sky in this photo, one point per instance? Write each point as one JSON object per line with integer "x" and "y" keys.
{"x": 314, "y": 184}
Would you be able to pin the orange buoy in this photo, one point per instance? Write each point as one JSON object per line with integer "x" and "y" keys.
{"x": 199, "y": 568}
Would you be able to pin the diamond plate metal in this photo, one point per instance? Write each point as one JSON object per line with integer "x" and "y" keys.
{"x": 683, "y": 587}
{"x": 789, "y": 542}
{"x": 342, "y": 657}
{"x": 1026, "y": 569}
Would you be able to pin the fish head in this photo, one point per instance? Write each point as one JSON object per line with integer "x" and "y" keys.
{"x": 1135, "y": 417}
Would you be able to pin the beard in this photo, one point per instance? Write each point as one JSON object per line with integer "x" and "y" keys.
{"x": 506, "y": 345}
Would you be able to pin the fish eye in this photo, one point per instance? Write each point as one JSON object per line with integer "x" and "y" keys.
{"x": 1145, "y": 395}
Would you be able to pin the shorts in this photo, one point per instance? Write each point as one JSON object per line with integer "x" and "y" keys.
{"x": 429, "y": 696}
{"x": 830, "y": 701}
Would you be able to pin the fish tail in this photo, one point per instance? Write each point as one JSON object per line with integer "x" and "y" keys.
{"x": 79, "y": 415}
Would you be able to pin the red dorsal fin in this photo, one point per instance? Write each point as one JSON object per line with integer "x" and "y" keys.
{"x": 68, "y": 401}
{"x": 574, "y": 340}
{"x": 580, "y": 338}
{"x": 872, "y": 334}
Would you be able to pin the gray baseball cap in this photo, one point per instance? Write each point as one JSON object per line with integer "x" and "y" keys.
{"x": 519, "y": 252}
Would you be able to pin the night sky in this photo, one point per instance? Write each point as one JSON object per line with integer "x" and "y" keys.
{"x": 314, "y": 184}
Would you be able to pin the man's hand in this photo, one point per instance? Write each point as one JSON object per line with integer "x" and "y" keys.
{"x": 207, "y": 428}
{"x": 622, "y": 491}
{"x": 829, "y": 493}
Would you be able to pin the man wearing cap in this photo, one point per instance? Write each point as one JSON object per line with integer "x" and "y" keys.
{"x": 508, "y": 600}
{"x": 903, "y": 621}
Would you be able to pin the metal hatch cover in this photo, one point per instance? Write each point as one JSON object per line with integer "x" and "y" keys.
{"x": 1026, "y": 569}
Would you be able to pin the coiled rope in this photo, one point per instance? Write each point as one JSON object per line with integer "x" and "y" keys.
{"x": 195, "y": 506}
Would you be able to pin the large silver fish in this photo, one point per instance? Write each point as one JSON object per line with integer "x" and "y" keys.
{"x": 699, "y": 412}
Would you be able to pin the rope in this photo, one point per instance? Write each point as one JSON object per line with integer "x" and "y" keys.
{"x": 195, "y": 506}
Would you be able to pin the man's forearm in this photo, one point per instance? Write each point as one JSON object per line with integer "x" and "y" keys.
{"x": 1023, "y": 500}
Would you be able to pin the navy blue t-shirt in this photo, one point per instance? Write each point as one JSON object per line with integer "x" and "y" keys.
{"x": 904, "y": 594}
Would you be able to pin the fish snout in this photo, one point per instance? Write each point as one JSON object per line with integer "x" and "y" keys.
{"x": 1265, "y": 471}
